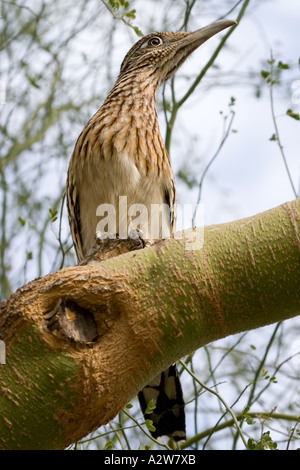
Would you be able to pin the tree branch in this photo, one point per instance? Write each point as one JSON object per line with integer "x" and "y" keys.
{"x": 81, "y": 342}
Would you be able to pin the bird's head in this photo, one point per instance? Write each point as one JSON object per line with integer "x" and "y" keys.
{"x": 163, "y": 53}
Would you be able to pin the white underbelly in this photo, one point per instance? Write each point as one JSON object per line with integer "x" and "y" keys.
{"x": 117, "y": 197}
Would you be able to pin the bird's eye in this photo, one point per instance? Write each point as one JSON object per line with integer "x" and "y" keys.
{"x": 155, "y": 41}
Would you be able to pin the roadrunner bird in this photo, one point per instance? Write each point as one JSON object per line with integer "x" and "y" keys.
{"x": 120, "y": 152}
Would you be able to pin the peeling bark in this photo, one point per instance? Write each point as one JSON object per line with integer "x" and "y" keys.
{"x": 81, "y": 342}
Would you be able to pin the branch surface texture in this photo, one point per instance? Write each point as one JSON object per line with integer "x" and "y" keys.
{"x": 81, "y": 342}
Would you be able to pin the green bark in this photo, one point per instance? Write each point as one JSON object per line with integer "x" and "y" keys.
{"x": 36, "y": 389}
{"x": 81, "y": 342}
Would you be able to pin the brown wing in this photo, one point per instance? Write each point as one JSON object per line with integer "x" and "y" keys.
{"x": 74, "y": 215}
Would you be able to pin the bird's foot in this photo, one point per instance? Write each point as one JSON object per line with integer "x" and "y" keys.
{"x": 137, "y": 234}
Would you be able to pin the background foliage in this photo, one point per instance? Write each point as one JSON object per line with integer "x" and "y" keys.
{"x": 233, "y": 144}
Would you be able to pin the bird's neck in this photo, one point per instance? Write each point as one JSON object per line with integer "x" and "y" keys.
{"x": 133, "y": 99}
{"x": 127, "y": 121}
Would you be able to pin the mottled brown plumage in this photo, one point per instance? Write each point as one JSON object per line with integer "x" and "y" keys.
{"x": 120, "y": 152}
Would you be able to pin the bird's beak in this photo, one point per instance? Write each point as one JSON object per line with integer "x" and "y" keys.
{"x": 199, "y": 36}
{"x": 188, "y": 43}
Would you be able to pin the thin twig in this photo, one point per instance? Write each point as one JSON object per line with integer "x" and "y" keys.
{"x": 143, "y": 430}
{"x": 277, "y": 130}
{"x": 251, "y": 398}
{"x": 291, "y": 436}
{"x": 122, "y": 18}
{"x": 239, "y": 417}
{"x": 213, "y": 392}
{"x": 225, "y": 136}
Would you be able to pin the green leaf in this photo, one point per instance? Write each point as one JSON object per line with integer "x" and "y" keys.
{"x": 131, "y": 14}
{"x": 251, "y": 444}
{"x": 108, "y": 445}
{"x": 22, "y": 221}
{"x": 293, "y": 115}
{"x": 265, "y": 74}
{"x": 137, "y": 31}
{"x": 273, "y": 137}
{"x": 128, "y": 406}
{"x": 150, "y": 426}
{"x": 258, "y": 91}
{"x": 150, "y": 407}
{"x": 250, "y": 420}
{"x": 53, "y": 214}
{"x": 232, "y": 101}
{"x": 269, "y": 77}
{"x": 265, "y": 442}
{"x": 283, "y": 66}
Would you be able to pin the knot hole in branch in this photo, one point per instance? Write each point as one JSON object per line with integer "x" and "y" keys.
{"x": 77, "y": 323}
